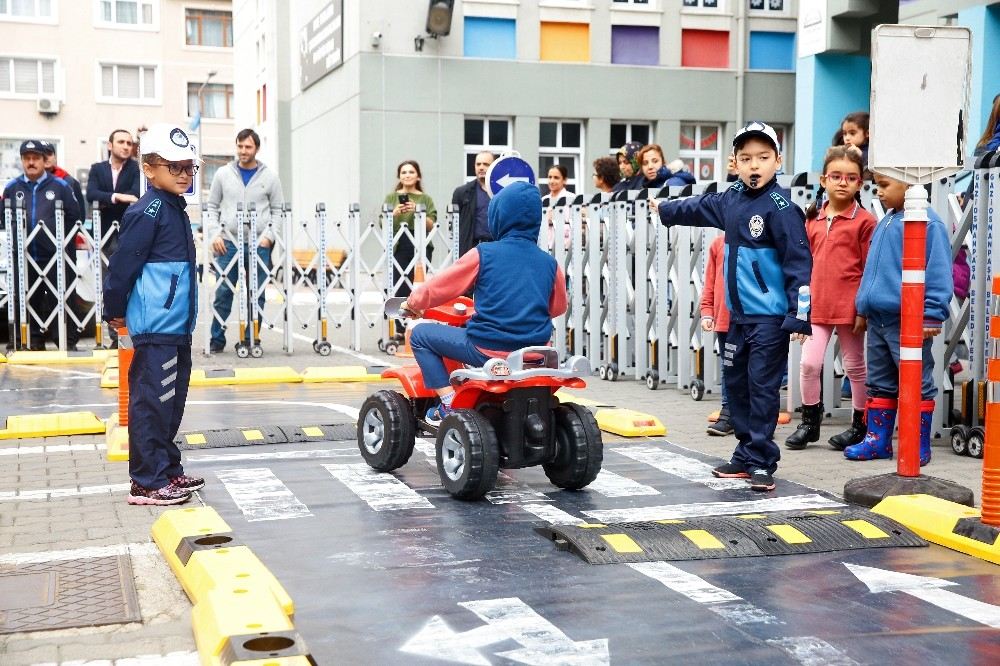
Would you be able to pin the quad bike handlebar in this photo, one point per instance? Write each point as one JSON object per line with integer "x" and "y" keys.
{"x": 455, "y": 312}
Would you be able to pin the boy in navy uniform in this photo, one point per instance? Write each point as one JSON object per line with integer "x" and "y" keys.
{"x": 151, "y": 287}
{"x": 767, "y": 263}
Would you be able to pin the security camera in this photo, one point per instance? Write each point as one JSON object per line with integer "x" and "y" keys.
{"x": 376, "y": 39}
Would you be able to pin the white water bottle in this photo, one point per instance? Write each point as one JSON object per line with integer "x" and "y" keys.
{"x": 804, "y": 303}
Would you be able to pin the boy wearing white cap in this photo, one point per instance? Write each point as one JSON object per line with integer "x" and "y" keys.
{"x": 151, "y": 287}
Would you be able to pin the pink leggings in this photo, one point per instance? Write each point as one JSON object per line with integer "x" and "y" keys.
{"x": 852, "y": 348}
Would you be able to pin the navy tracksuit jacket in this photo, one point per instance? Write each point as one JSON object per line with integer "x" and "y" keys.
{"x": 767, "y": 259}
{"x": 152, "y": 283}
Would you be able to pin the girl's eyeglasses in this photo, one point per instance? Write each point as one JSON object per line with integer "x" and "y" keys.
{"x": 849, "y": 178}
{"x": 177, "y": 169}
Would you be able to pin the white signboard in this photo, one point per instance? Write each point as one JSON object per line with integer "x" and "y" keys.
{"x": 920, "y": 101}
{"x": 812, "y": 36}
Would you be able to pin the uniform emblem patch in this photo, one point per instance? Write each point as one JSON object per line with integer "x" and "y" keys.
{"x": 779, "y": 201}
{"x": 153, "y": 208}
{"x": 179, "y": 138}
{"x": 738, "y": 186}
{"x": 756, "y": 226}
{"x": 50, "y": 195}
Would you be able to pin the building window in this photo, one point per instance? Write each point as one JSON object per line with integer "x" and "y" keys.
{"x": 25, "y": 10}
{"x": 772, "y": 50}
{"x": 27, "y": 76}
{"x": 777, "y": 6}
{"x": 635, "y": 45}
{"x": 703, "y": 4}
{"x": 622, "y": 133}
{"x": 781, "y": 131}
{"x": 484, "y": 134}
{"x": 705, "y": 48}
{"x": 216, "y": 100}
{"x": 212, "y": 164}
{"x": 208, "y": 28}
{"x": 565, "y": 42}
{"x": 489, "y": 38}
{"x": 560, "y": 142}
{"x": 128, "y": 82}
{"x": 701, "y": 150}
{"x": 644, "y": 3}
{"x": 125, "y": 13}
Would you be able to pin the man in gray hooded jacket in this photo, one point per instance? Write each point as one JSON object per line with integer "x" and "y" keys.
{"x": 245, "y": 181}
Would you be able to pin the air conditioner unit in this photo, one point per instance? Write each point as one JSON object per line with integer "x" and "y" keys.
{"x": 48, "y": 105}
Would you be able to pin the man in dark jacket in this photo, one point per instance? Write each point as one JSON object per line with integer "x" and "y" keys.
{"x": 37, "y": 192}
{"x": 114, "y": 185}
{"x": 473, "y": 201}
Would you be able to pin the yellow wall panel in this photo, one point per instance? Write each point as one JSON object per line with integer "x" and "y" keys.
{"x": 565, "y": 42}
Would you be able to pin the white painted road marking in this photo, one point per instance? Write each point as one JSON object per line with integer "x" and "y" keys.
{"x": 610, "y": 484}
{"x": 53, "y": 493}
{"x": 807, "y": 650}
{"x": 929, "y": 590}
{"x": 275, "y": 455}
{"x": 261, "y": 495}
{"x": 672, "y": 511}
{"x": 551, "y": 514}
{"x": 169, "y": 659}
{"x": 382, "y": 492}
{"x": 541, "y": 641}
{"x": 509, "y": 490}
{"x": 133, "y": 549}
{"x": 681, "y": 466}
{"x": 19, "y": 451}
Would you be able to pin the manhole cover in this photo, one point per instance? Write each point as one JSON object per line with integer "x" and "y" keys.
{"x": 74, "y": 593}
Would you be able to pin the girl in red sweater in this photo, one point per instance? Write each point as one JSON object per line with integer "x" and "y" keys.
{"x": 839, "y": 235}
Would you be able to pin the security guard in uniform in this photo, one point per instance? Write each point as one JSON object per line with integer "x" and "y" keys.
{"x": 38, "y": 191}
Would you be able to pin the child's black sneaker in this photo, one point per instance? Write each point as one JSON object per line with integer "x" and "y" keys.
{"x": 731, "y": 470}
{"x": 761, "y": 480}
{"x": 168, "y": 494}
{"x": 189, "y": 483}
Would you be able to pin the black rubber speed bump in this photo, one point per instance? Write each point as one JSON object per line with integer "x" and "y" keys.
{"x": 278, "y": 434}
{"x": 714, "y": 537}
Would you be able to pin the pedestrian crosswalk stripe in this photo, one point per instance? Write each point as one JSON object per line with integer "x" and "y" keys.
{"x": 671, "y": 511}
{"x": 551, "y": 514}
{"x": 382, "y": 492}
{"x": 610, "y": 484}
{"x": 509, "y": 490}
{"x": 260, "y": 495}
{"x": 679, "y": 465}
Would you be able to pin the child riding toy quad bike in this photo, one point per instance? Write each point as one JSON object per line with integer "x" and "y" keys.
{"x": 506, "y": 415}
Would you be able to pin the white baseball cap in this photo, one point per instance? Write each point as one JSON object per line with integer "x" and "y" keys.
{"x": 169, "y": 142}
{"x": 759, "y": 129}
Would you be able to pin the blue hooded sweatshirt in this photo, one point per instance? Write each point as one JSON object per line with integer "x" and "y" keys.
{"x": 515, "y": 278}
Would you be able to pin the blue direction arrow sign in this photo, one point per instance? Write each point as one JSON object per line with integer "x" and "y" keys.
{"x": 506, "y": 170}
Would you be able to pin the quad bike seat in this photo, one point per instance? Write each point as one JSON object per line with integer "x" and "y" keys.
{"x": 523, "y": 364}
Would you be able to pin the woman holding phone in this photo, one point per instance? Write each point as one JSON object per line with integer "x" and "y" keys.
{"x": 403, "y": 201}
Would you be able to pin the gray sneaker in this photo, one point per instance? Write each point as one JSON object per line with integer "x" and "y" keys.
{"x": 169, "y": 494}
{"x": 761, "y": 480}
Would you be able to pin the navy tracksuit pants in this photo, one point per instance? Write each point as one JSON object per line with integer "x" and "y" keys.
{"x": 755, "y": 359}
{"x": 158, "y": 385}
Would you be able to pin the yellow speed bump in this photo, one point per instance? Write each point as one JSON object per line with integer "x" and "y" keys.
{"x": 949, "y": 524}
{"x": 629, "y": 423}
{"x": 88, "y": 357}
{"x": 237, "y": 376}
{"x": 117, "y": 440}
{"x": 232, "y": 617}
{"x": 175, "y": 525}
{"x": 343, "y": 374}
{"x": 24, "y": 426}
{"x": 235, "y": 567}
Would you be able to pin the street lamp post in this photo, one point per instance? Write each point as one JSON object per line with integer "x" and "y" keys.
{"x": 201, "y": 147}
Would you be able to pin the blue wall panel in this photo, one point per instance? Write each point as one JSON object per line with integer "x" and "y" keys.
{"x": 772, "y": 50}
{"x": 490, "y": 38}
{"x": 828, "y": 87}
{"x": 984, "y": 22}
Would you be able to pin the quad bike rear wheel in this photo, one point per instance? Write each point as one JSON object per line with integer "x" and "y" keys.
{"x": 468, "y": 456}
{"x": 579, "y": 448}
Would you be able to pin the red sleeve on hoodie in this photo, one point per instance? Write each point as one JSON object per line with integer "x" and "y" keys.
{"x": 450, "y": 283}
{"x": 558, "y": 299}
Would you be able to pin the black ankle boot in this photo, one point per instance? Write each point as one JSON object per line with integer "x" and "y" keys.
{"x": 853, "y": 435}
{"x": 723, "y": 426}
{"x": 808, "y": 430}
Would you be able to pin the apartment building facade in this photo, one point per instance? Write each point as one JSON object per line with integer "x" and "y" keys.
{"x": 73, "y": 70}
{"x": 344, "y": 90}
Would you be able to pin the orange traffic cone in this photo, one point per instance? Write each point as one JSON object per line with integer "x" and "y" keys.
{"x": 125, "y": 353}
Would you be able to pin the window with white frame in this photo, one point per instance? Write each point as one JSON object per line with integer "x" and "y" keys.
{"x": 704, "y": 4}
{"x": 204, "y": 27}
{"x": 624, "y": 132}
{"x": 782, "y": 133}
{"x": 26, "y": 10}
{"x": 701, "y": 150}
{"x": 644, "y": 3}
{"x": 482, "y": 135}
{"x": 211, "y": 164}
{"x": 216, "y": 100}
{"x": 128, "y": 83}
{"x": 775, "y": 6}
{"x": 27, "y": 76}
{"x": 561, "y": 142}
{"x": 127, "y": 13}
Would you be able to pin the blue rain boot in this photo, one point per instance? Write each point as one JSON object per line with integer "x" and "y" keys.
{"x": 926, "y": 415}
{"x": 877, "y": 444}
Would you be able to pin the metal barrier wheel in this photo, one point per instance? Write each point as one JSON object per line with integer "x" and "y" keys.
{"x": 613, "y": 372}
{"x": 323, "y": 348}
{"x": 697, "y": 389}
{"x": 381, "y": 345}
{"x": 602, "y": 372}
{"x": 977, "y": 439}
{"x": 652, "y": 380}
{"x": 391, "y": 348}
{"x": 242, "y": 350}
{"x": 960, "y": 440}
{"x": 257, "y": 351}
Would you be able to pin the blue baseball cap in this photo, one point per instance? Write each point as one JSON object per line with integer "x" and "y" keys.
{"x": 32, "y": 146}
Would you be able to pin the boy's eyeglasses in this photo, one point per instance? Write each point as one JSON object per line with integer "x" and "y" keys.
{"x": 849, "y": 178}
{"x": 178, "y": 169}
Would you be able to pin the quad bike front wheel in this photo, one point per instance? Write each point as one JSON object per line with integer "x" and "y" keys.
{"x": 579, "y": 448}
{"x": 468, "y": 456}
{"x": 386, "y": 431}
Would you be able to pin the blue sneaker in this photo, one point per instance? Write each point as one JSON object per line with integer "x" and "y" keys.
{"x": 437, "y": 413}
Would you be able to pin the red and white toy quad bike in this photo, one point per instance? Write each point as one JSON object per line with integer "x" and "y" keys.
{"x": 506, "y": 415}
